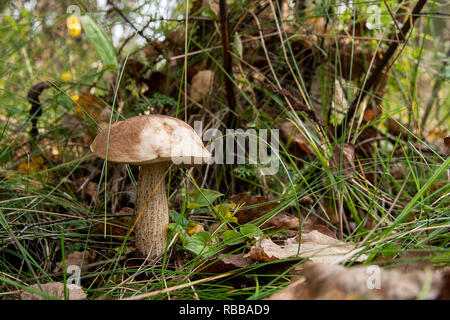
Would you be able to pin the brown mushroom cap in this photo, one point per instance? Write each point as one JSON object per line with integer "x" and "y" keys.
{"x": 148, "y": 139}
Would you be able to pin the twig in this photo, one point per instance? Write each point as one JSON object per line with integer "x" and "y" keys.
{"x": 186, "y": 30}
{"x": 124, "y": 17}
{"x": 181, "y": 286}
{"x": 378, "y": 71}
{"x": 436, "y": 87}
{"x": 227, "y": 63}
{"x": 36, "y": 108}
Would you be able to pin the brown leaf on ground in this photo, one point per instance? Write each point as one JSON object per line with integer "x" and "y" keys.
{"x": 78, "y": 258}
{"x": 348, "y": 155}
{"x": 282, "y": 221}
{"x": 152, "y": 51}
{"x": 89, "y": 103}
{"x": 118, "y": 226}
{"x": 134, "y": 69}
{"x": 176, "y": 37}
{"x": 447, "y": 146}
{"x": 54, "y": 289}
{"x": 315, "y": 246}
{"x": 338, "y": 282}
{"x": 397, "y": 171}
{"x": 353, "y": 58}
{"x": 335, "y": 282}
{"x": 314, "y": 223}
{"x": 292, "y": 135}
{"x": 445, "y": 292}
{"x": 395, "y": 128}
{"x": 297, "y": 290}
{"x": 201, "y": 84}
{"x": 91, "y": 189}
{"x": 230, "y": 262}
{"x": 193, "y": 228}
{"x": 245, "y": 214}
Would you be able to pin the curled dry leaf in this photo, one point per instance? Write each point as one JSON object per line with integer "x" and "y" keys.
{"x": 224, "y": 263}
{"x": 315, "y": 246}
{"x": 348, "y": 154}
{"x": 152, "y": 51}
{"x": 91, "y": 189}
{"x": 194, "y": 228}
{"x": 54, "y": 289}
{"x": 297, "y": 290}
{"x": 87, "y": 102}
{"x": 117, "y": 227}
{"x": 282, "y": 221}
{"x": 354, "y": 58}
{"x": 245, "y": 214}
{"x": 395, "y": 128}
{"x": 201, "y": 84}
{"x": 338, "y": 282}
{"x": 335, "y": 282}
{"x": 176, "y": 37}
{"x": 74, "y": 258}
{"x": 447, "y": 146}
{"x": 292, "y": 135}
{"x": 397, "y": 171}
{"x": 445, "y": 292}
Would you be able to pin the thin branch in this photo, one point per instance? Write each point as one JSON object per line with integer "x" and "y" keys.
{"x": 227, "y": 63}
{"x": 378, "y": 71}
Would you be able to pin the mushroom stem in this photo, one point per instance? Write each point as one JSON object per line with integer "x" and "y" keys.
{"x": 152, "y": 210}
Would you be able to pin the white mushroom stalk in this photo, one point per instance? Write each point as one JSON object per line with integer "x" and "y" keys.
{"x": 154, "y": 142}
{"x": 152, "y": 210}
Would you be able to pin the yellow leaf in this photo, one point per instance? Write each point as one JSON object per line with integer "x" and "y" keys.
{"x": 193, "y": 228}
{"x": 224, "y": 210}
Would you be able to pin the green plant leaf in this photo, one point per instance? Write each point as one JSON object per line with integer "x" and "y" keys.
{"x": 178, "y": 218}
{"x": 231, "y": 237}
{"x": 250, "y": 230}
{"x": 101, "y": 42}
{"x": 184, "y": 237}
{"x": 389, "y": 250}
{"x": 237, "y": 45}
{"x": 202, "y": 198}
{"x": 198, "y": 244}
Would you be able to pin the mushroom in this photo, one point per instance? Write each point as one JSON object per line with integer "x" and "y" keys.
{"x": 154, "y": 142}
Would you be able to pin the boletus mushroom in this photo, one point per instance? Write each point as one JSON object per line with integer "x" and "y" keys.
{"x": 154, "y": 142}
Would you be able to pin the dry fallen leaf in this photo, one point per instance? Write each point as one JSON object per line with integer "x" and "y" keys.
{"x": 89, "y": 103}
{"x": 338, "y": 282}
{"x": 245, "y": 214}
{"x": 282, "y": 221}
{"x": 292, "y": 135}
{"x": 315, "y": 246}
{"x": 194, "y": 228}
{"x": 348, "y": 154}
{"x": 226, "y": 263}
{"x": 447, "y": 146}
{"x": 117, "y": 227}
{"x": 335, "y": 282}
{"x": 201, "y": 84}
{"x": 176, "y": 37}
{"x": 74, "y": 258}
{"x": 152, "y": 51}
{"x": 297, "y": 290}
{"x": 395, "y": 128}
{"x": 91, "y": 189}
{"x": 54, "y": 289}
